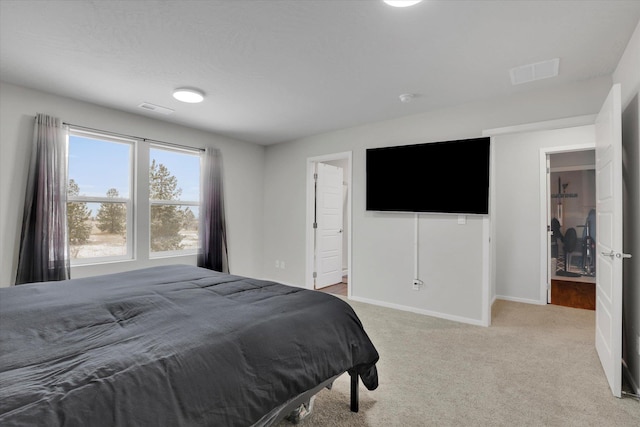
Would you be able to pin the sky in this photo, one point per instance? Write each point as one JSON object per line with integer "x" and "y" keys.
{"x": 96, "y": 166}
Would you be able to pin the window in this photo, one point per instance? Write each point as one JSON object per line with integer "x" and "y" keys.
{"x": 174, "y": 194}
{"x": 99, "y": 208}
{"x": 129, "y": 199}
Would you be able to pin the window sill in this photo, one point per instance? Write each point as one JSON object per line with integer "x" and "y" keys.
{"x": 97, "y": 269}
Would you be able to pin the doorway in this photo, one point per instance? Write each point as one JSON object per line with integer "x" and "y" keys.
{"x": 571, "y": 207}
{"x": 328, "y": 253}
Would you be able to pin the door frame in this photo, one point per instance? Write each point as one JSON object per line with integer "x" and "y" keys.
{"x": 545, "y": 194}
{"x": 311, "y": 161}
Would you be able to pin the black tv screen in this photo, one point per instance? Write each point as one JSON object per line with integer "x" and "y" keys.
{"x": 437, "y": 177}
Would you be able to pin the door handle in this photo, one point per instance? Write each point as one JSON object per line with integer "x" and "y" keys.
{"x": 613, "y": 254}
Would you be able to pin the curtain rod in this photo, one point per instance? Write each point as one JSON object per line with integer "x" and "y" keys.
{"x": 122, "y": 135}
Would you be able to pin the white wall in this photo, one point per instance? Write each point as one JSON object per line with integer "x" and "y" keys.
{"x": 242, "y": 171}
{"x": 573, "y": 159}
{"x": 382, "y": 244}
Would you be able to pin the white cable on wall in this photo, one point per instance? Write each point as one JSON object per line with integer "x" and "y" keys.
{"x": 415, "y": 249}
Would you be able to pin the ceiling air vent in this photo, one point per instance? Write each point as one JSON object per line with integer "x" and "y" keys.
{"x": 532, "y": 72}
{"x": 155, "y": 108}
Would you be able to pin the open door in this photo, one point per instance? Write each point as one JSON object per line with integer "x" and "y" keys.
{"x": 328, "y": 225}
{"x": 609, "y": 242}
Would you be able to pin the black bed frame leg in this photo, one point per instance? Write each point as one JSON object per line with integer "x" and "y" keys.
{"x": 354, "y": 391}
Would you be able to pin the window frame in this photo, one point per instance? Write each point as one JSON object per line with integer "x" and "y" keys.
{"x": 156, "y": 202}
{"x": 138, "y": 205}
{"x": 129, "y": 202}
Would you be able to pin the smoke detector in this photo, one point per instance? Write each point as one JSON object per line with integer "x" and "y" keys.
{"x": 406, "y": 97}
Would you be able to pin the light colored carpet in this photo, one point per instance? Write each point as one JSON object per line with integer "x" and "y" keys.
{"x": 535, "y": 366}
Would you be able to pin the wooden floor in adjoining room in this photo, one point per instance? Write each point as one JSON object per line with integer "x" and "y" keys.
{"x": 573, "y": 294}
{"x": 337, "y": 289}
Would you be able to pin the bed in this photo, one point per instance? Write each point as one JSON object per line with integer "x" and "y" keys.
{"x": 173, "y": 346}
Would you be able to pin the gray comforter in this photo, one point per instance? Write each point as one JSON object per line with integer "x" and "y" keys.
{"x": 169, "y": 346}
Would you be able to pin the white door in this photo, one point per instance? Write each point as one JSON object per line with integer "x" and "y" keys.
{"x": 609, "y": 239}
{"x": 329, "y": 215}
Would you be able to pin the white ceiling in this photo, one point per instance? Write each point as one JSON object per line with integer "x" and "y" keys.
{"x": 275, "y": 71}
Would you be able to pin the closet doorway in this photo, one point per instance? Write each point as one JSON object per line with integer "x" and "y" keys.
{"x": 571, "y": 207}
{"x": 328, "y": 251}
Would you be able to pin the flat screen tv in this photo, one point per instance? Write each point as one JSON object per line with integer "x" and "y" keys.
{"x": 438, "y": 177}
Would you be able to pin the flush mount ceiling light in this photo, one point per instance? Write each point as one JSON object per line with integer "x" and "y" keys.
{"x": 402, "y": 3}
{"x": 189, "y": 95}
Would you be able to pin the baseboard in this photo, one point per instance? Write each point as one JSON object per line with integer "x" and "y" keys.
{"x": 295, "y": 285}
{"x": 459, "y": 319}
{"x": 523, "y": 300}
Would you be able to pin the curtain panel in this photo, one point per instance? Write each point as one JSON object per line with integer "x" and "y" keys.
{"x": 213, "y": 234}
{"x": 44, "y": 250}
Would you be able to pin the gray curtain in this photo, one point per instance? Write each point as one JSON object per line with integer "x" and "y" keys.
{"x": 213, "y": 232}
{"x": 44, "y": 251}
